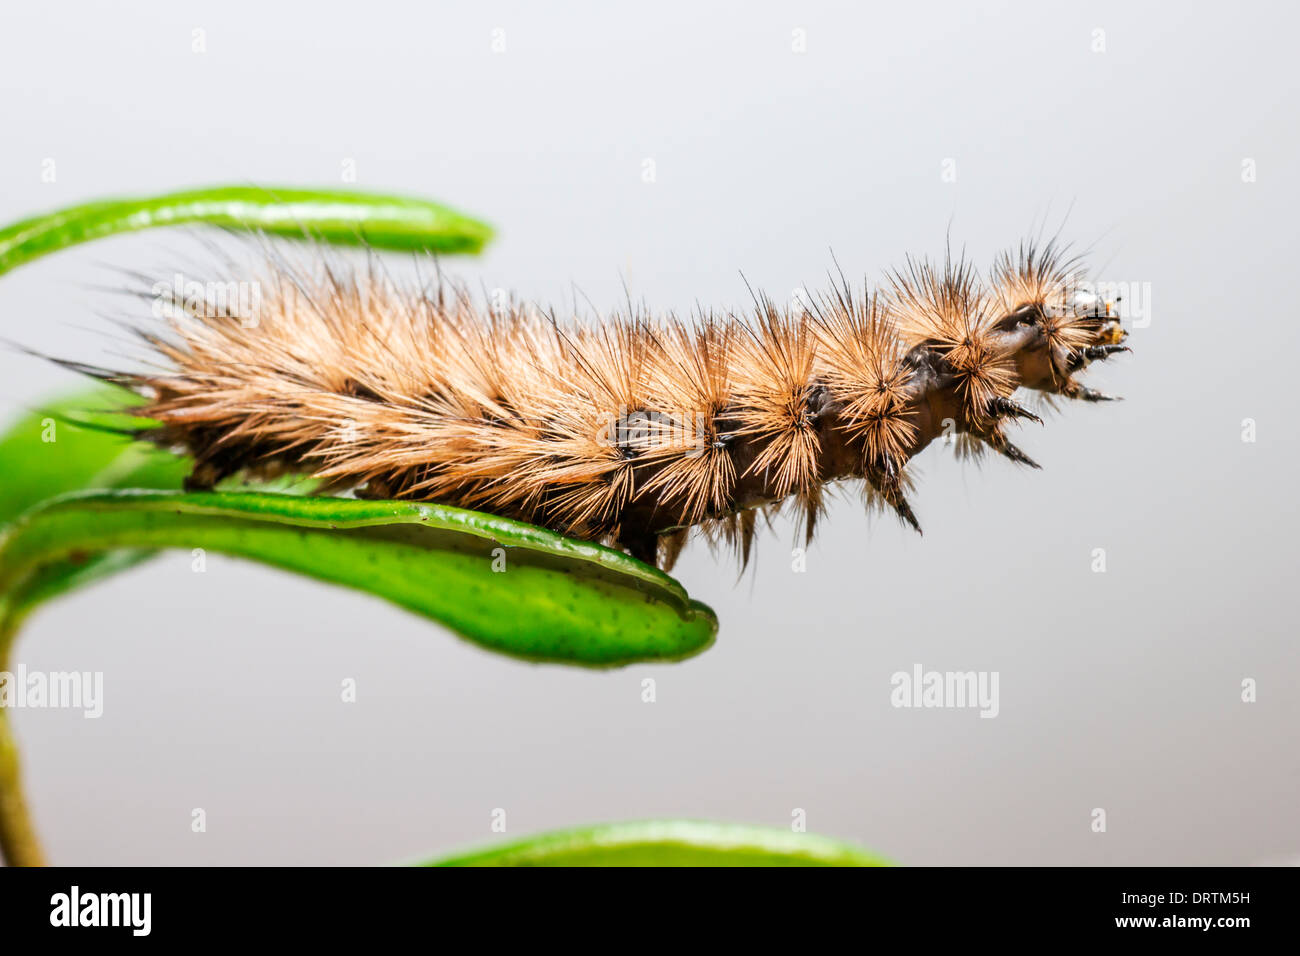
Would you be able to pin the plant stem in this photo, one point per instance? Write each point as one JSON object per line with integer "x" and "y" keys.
{"x": 18, "y": 842}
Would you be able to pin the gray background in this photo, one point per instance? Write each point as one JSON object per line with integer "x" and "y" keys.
{"x": 1118, "y": 690}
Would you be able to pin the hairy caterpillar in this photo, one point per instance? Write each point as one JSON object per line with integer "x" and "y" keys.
{"x": 634, "y": 429}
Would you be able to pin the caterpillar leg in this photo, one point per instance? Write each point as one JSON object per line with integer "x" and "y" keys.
{"x": 1085, "y": 394}
{"x": 205, "y": 475}
{"x": 642, "y": 545}
{"x": 1094, "y": 353}
{"x": 889, "y": 482}
{"x": 670, "y": 548}
{"x": 1002, "y": 407}
{"x": 904, "y": 511}
{"x": 998, "y": 442}
{"x": 202, "y": 478}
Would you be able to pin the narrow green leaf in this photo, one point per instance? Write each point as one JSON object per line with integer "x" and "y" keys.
{"x": 345, "y": 217}
{"x": 507, "y": 586}
{"x": 668, "y": 843}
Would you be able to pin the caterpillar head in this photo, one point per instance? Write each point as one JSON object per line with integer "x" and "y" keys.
{"x": 1055, "y": 326}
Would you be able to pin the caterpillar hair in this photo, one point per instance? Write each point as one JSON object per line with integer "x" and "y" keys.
{"x": 632, "y": 429}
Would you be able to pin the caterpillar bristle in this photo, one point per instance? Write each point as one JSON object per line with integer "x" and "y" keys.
{"x": 775, "y": 402}
{"x": 865, "y": 372}
{"x": 948, "y": 312}
{"x": 634, "y": 429}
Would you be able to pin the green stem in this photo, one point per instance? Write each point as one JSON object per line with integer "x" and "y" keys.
{"x": 18, "y": 843}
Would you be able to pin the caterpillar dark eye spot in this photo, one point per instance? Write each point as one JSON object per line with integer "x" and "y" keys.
{"x": 1021, "y": 316}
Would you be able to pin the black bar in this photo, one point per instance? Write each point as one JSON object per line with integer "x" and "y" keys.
{"x": 434, "y": 906}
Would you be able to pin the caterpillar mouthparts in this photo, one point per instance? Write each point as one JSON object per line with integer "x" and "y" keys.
{"x": 633, "y": 430}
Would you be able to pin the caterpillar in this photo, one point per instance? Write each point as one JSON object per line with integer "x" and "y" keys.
{"x": 634, "y": 430}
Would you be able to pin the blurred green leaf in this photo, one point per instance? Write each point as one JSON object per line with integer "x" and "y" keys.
{"x": 68, "y": 445}
{"x": 668, "y": 843}
{"x": 342, "y": 217}
{"x": 507, "y": 586}
{"x": 75, "y": 443}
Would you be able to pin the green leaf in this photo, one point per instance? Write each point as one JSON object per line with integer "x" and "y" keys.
{"x": 668, "y": 843}
{"x": 554, "y": 599}
{"x": 345, "y": 217}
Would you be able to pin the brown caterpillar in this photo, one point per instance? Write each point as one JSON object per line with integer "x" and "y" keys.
{"x": 631, "y": 430}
